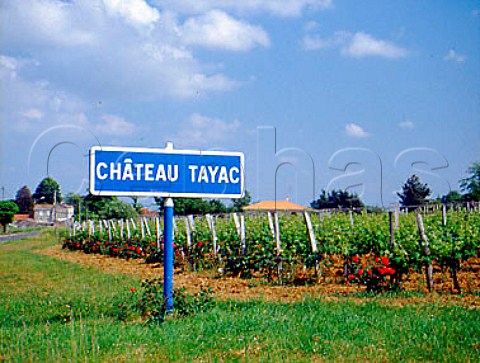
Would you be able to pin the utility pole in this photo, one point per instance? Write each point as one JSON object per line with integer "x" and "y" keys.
{"x": 3, "y": 193}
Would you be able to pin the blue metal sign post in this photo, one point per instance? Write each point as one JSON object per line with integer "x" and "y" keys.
{"x": 127, "y": 171}
{"x": 168, "y": 254}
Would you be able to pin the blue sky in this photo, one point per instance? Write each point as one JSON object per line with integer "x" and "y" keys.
{"x": 333, "y": 94}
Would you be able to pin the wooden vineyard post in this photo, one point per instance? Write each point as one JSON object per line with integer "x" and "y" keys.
{"x": 188, "y": 233}
{"x": 128, "y": 229}
{"x": 158, "y": 232}
{"x": 142, "y": 229}
{"x": 279, "y": 246}
{"x": 243, "y": 240}
{"x": 397, "y": 216}
{"x": 392, "y": 230}
{"x": 270, "y": 223}
{"x": 211, "y": 225}
{"x": 147, "y": 227}
{"x": 240, "y": 227}
{"x": 120, "y": 223}
{"x": 444, "y": 215}
{"x": 454, "y": 262}
{"x": 429, "y": 266}
{"x": 109, "y": 232}
{"x": 313, "y": 241}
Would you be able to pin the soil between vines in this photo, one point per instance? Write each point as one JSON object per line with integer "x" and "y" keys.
{"x": 231, "y": 288}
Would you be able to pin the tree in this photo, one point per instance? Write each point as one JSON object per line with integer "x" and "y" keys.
{"x": 414, "y": 193}
{"x": 107, "y": 207}
{"x": 76, "y": 201}
{"x": 471, "y": 185}
{"x": 337, "y": 199}
{"x": 47, "y": 192}
{"x": 8, "y": 209}
{"x": 452, "y": 196}
{"x": 137, "y": 206}
{"x": 238, "y": 204}
{"x": 186, "y": 206}
{"x": 24, "y": 200}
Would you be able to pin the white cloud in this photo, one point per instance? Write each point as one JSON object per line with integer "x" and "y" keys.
{"x": 199, "y": 130}
{"x": 357, "y": 45}
{"x": 315, "y": 42}
{"x": 135, "y": 12}
{"x": 33, "y": 114}
{"x": 364, "y": 45}
{"x": 217, "y": 29}
{"x": 356, "y": 131}
{"x": 114, "y": 126}
{"x": 406, "y": 124}
{"x": 105, "y": 50}
{"x": 36, "y": 23}
{"x": 284, "y": 8}
{"x": 452, "y": 55}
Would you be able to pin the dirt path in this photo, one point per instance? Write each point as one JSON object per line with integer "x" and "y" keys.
{"x": 251, "y": 289}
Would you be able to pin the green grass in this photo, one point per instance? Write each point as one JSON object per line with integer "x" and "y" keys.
{"x": 56, "y": 311}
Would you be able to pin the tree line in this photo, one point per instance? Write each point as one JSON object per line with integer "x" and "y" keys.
{"x": 413, "y": 195}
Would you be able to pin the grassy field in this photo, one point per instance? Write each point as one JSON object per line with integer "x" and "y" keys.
{"x": 52, "y": 310}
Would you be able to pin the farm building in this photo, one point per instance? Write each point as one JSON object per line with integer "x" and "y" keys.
{"x": 52, "y": 213}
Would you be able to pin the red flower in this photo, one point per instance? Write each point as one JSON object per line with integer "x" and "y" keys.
{"x": 132, "y": 289}
{"x": 391, "y": 271}
{"x": 200, "y": 244}
{"x": 115, "y": 250}
{"x": 385, "y": 260}
{"x": 360, "y": 272}
{"x": 382, "y": 270}
{"x": 364, "y": 265}
{"x": 139, "y": 250}
{"x": 350, "y": 277}
{"x": 377, "y": 259}
{"x": 370, "y": 272}
{"x": 355, "y": 259}
{"x": 175, "y": 246}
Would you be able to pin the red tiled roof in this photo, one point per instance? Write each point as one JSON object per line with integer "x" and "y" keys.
{"x": 20, "y": 217}
{"x": 275, "y": 205}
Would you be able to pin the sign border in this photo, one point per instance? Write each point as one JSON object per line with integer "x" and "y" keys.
{"x": 167, "y": 150}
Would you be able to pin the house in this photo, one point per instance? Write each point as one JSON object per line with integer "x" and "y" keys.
{"x": 52, "y": 213}
{"x": 147, "y": 213}
{"x": 275, "y": 205}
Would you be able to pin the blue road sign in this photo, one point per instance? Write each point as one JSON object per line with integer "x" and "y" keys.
{"x": 129, "y": 171}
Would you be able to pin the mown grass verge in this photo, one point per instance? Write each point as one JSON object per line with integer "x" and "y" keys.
{"x": 52, "y": 310}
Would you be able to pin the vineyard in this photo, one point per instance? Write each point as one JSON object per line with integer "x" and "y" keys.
{"x": 378, "y": 251}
